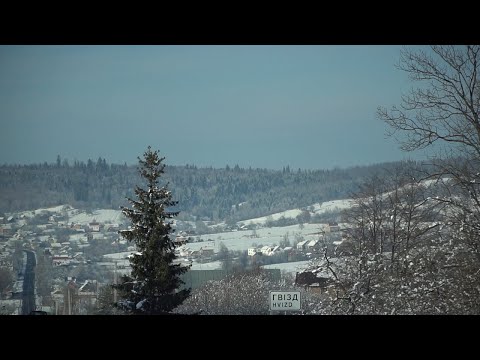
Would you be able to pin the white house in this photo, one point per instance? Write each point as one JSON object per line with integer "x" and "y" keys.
{"x": 275, "y": 250}
{"x": 94, "y": 226}
{"x": 314, "y": 246}
{"x": 302, "y": 245}
{"x": 265, "y": 250}
{"x": 252, "y": 251}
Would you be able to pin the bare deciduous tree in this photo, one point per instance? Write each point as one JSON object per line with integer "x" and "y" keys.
{"x": 443, "y": 114}
{"x": 447, "y": 108}
{"x": 444, "y": 111}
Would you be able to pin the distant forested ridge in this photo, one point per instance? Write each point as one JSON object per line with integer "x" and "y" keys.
{"x": 206, "y": 193}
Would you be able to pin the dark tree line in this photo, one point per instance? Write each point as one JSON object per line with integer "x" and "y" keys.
{"x": 205, "y": 193}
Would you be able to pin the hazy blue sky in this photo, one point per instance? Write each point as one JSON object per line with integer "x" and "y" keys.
{"x": 260, "y": 106}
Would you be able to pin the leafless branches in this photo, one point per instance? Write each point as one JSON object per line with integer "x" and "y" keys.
{"x": 446, "y": 105}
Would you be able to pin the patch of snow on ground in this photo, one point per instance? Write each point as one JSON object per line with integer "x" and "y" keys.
{"x": 334, "y": 205}
{"x": 289, "y": 214}
{"x": 101, "y": 216}
{"x": 55, "y": 209}
{"x": 242, "y": 240}
{"x": 118, "y": 256}
{"x": 318, "y": 208}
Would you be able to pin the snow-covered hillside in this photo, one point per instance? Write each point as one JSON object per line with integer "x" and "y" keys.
{"x": 318, "y": 208}
{"x": 242, "y": 240}
{"x": 79, "y": 216}
{"x": 334, "y": 205}
{"x": 55, "y": 210}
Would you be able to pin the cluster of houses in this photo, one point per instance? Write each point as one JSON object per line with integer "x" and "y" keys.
{"x": 205, "y": 252}
{"x": 310, "y": 247}
{"x": 40, "y": 229}
{"x": 266, "y": 250}
{"x": 45, "y": 235}
{"x": 61, "y": 240}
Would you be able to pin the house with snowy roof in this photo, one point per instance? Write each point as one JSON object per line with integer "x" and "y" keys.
{"x": 94, "y": 226}
{"x": 253, "y": 251}
{"x": 206, "y": 251}
{"x": 314, "y": 246}
{"x": 88, "y": 289}
{"x": 302, "y": 245}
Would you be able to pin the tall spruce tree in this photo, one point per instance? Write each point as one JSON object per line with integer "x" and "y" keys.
{"x": 153, "y": 286}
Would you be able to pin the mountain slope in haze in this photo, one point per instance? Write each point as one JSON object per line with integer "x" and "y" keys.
{"x": 233, "y": 194}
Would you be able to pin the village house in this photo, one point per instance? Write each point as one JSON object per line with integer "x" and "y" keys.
{"x": 253, "y": 251}
{"x": 180, "y": 239}
{"x": 265, "y": 250}
{"x": 275, "y": 250}
{"x": 206, "y": 251}
{"x": 302, "y": 245}
{"x": 314, "y": 246}
{"x": 60, "y": 260}
{"x": 94, "y": 226}
{"x": 333, "y": 226}
{"x": 269, "y": 250}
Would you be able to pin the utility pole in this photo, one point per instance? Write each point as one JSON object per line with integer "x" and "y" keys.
{"x": 69, "y": 300}
{"x": 115, "y": 282}
{"x": 65, "y": 300}
{"x": 96, "y": 294}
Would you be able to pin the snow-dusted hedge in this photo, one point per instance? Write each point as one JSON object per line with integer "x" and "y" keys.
{"x": 245, "y": 293}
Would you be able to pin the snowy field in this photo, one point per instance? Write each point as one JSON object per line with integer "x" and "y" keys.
{"x": 233, "y": 240}
{"x": 107, "y": 216}
{"x": 242, "y": 240}
{"x": 289, "y": 214}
